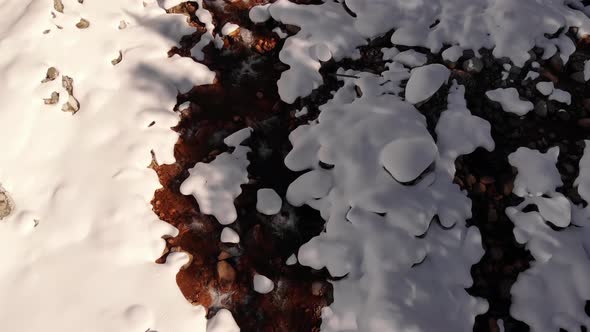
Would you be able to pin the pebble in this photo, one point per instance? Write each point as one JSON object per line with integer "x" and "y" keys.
{"x": 487, "y": 180}
{"x": 225, "y": 272}
{"x": 584, "y": 123}
{"x": 541, "y": 108}
{"x": 5, "y": 205}
{"x": 473, "y": 65}
{"x": 470, "y": 180}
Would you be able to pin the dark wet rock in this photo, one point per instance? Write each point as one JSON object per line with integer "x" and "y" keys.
{"x": 473, "y": 65}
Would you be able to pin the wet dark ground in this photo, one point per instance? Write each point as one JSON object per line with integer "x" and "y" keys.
{"x": 220, "y": 275}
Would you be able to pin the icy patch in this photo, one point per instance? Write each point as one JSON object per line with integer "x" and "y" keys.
{"x": 223, "y": 321}
{"x": 268, "y": 202}
{"x": 79, "y": 247}
{"x": 228, "y": 235}
{"x": 411, "y": 58}
{"x": 216, "y": 185}
{"x": 562, "y": 259}
{"x": 262, "y": 284}
{"x": 510, "y": 101}
{"x": 379, "y": 232}
{"x": 425, "y": 81}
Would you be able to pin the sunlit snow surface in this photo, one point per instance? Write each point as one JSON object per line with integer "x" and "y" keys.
{"x": 82, "y": 179}
{"x": 562, "y": 258}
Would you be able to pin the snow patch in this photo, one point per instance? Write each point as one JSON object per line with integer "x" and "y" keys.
{"x": 228, "y": 235}
{"x": 262, "y": 284}
{"x": 223, "y": 321}
{"x": 510, "y": 101}
{"x": 425, "y": 81}
{"x": 268, "y": 201}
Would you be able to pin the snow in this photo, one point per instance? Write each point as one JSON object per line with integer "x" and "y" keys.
{"x": 537, "y": 173}
{"x": 223, "y": 321}
{"x": 78, "y": 249}
{"x": 425, "y": 81}
{"x": 452, "y": 53}
{"x": 167, "y": 4}
{"x": 206, "y": 19}
{"x": 228, "y": 235}
{"x": 531, "y": 75}
{"x": 561, "y": 96}
{"x": 510, "y": 101}
{"x": 268, "y": 201}
{"x": 334, "y": 32}
{"x": 216, "y": 185}
{"x": 561, "y": 259}
{"x": 586, "y": 70}
{"x": 292, "y": 260}
{"x": 545, "y": 88}
{"x": 372, "y": 221}
{"x": 262, "y": 284}
{"x": 280, "y": 33}
{"x": 411, "y": 58}
{"x": 405, "y": 159}
{"x": 229, "y": 28}
{"x": 259, "y": 14}
{"x": 301, "y": 112}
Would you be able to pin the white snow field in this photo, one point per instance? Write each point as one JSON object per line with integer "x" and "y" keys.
{"x": 78, "y": 249}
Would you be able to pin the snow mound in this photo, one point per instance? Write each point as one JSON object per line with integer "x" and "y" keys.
{"x": 223, "y": 321}
{"x": 562, "y": 259}
{"x": 537, "y": 172}
{"x": 425, "y": 81}
{"x": 268, "y": 202}
{"x": 216, "y": 185}
{"x": 262, "y": 284}
{"x": 79, "y": 247}
{"x": 228, "y": 235}
{"x": 411, "y": 58}
{"x": 510, "y": 101}
{"x": 373, "y": 220}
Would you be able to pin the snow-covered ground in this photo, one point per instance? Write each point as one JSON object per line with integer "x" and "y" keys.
{"x": 87, "y": 99}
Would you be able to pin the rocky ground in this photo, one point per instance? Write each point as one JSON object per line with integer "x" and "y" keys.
{"x": 245, "y": 94}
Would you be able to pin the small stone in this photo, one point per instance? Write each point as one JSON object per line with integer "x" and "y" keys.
{"x": 473, "y": 65}
{"x": 556, "y": 62}
{"x": 492, "y": 215}
{"x": 224, "y": 255}
{"x": 480, "y": 188}
{"x": 225, "y": 272}
{"x": 58, "y": 5}
{"x": 116, "y": 61}
{"x": 584, "y": 123}
{"x": 563, "y": 115}
{"x": 578, "y": 77}
{"x": 318, "y": 288}
{"x": 5, "y": 204}
{"x": 487, "y": 180}
{"x": 541, "y": 108}
{"x": 83, "y": 24}
{"x": 471, "y": 180}
{"x": 52, "y": 74}
{"x": 53, "y": 99}
{"x": 507, "y": 188}
{"x": 569, "y": 168}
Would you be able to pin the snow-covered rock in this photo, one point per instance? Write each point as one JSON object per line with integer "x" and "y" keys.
{"x": 425, "y": 81}
{"x": 228, "y": 235}
{"x": 268, "y": 201}
{"x": 510, "y": 101}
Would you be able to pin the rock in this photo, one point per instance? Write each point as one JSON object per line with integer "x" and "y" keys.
{"x": 563, "y": 115}
{"x": 470, "y": 179}
{"x": 318, "y": 288}
{"x": 586, "y": 103}
{"x": 584, "y": 123}
{"x": 53, "y": 99}
{"x": 487, "y": 180}
{"x": 541, "y": 108}
{"x": 225, "y": 273}
{"x": 578, "y": 77}
{"x": 224, "y": 255}
{"x": 52, "y": 74}
{"x": 6, "y": 205}
{"x": 473, "y": 65}
{"x": 492, "y": 215}
{"x": 58, "y": 5}
{"x": 556, "y": 62}
{"x": 507, "y": 188}
{"x": 83, "y": 24}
